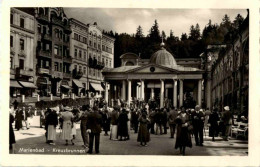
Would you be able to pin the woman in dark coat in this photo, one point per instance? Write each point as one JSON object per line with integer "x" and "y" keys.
{"x": 183, "y": 139}
{"x": 18, "y": 119}
{"x": 122, "y": 125}
{"x": 213, "y": 121}
{"x": 143, "y": 133}
{"x": 11, "y": 132}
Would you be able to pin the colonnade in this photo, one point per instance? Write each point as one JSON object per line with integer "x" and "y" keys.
{"x": 140, "y": 91}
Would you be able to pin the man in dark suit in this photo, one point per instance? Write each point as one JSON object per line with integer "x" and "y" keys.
{"x": 94, "y": 122}
{"x": 135, "y": 117}
{"x": 227, "y": 121}
{"x": 197, "y": 118}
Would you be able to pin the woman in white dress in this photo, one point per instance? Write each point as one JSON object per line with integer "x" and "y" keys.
{"x": 67, "y": 125}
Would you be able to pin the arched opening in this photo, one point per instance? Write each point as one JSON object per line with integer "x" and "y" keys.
{"x": 129, "y": 63}
{"x": 41, "y": 11}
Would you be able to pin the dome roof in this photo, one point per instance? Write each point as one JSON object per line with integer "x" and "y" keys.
{"x": 164, "y": 58}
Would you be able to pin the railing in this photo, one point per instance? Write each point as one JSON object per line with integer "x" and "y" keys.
{"x": 26, "y": 72}
{"x": 58, "y": 56}
{"x": 47, "y": 37}
{"x": 67, "y": 59}
{"x": 56, "y": 21}
{"x": 43, "y": 71}
{"x": 45, "y": 53}
{"x": 43, "y": 17}
{"x": 77, "y": 74}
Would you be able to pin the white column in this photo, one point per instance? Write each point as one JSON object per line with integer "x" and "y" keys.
{"x": 23, "y": 98}
{"x": 199, "y": 92}
{"x": 123, "y": 90}
{"x": 106, "y": 92}
{"x": 152, "y": 93}
{"x": 142, "y": 89}
{"x": 38, "y": 97}
{"x": 51, "y": 97}
{"x": 162, "y": 94}
{"x": 129, "y": 92}
{"x": 166, "y": 92}
{"x": 175, "y": 93}
{"x": 137, "y": 92}
{"x": 181, "y": 93}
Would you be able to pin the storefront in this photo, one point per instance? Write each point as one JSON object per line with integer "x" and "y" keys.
{"x": 15, "y": 88}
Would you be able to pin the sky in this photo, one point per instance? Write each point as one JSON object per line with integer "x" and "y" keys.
{"x": 127, "y": 20}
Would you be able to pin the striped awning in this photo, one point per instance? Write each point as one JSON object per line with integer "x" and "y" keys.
{"x": 66, "y": 86}
{"x": 15, "y": 84}
{"x": 27, "y": 84}
{"x": 78, "y": 83}
{"x": 96, "y": 86}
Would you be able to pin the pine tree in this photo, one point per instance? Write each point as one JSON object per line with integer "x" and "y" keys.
{"x": 139, "y": 32}
{"x": 154, "y": 32}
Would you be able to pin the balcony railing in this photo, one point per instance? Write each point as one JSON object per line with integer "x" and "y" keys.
{"x": 67, "y": 28}
{"x": 57, "y": 21}
{"x": 77, "y": 74}
{"x": 43, "y": 18}
{"x": 67, "y": 59}
{"x": 44, "y": 53}
{"x": 43, "y": 71}
{"x": 24, "y": 72}
{"x": 46, "y": 37}
{"x": 58, "y": 56}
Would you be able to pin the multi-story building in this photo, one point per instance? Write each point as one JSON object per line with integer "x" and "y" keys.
{"x": 108, "y": 51}
{"x": 53, "y": 52}
{"x": 95, "y": 64}
{"x": 79, "y": 54}
{"x": 22, "y": 52}
{"x": 228, "y": 73}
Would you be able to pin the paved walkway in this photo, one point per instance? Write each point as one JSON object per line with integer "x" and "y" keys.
{"x": 32, "y": 141}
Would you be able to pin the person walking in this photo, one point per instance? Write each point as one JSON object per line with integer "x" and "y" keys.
{"x": 158, "y": 121}
{"x": 227, "y": 121}
{"x": 172, "y": 117}
{"x": 18, "y": 119}
{"x": 106, "y": 121}
{"x": 213, "y": 124}
{"x": 94, "y": 122}
{"x": 67, "y": 125}
{"x": 198, "y": 125}
{"x": 164, "y": 120}
{"x": 135, "y": 120}
{"x": 183, "y": 138}
{"x": 114, "y": 123}
{"x": 128, "y": 124}
{"x": 25, "y": 117}
{"x": 143, "y": 133}
{"x": 83, "y": 125}
{"x": 51, "y": 123}
{"x": 122, "y": 125}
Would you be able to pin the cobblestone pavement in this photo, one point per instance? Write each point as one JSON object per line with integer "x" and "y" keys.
{"x": 32, "y": 141}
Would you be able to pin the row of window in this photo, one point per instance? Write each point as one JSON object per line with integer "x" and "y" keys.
{"x": 20, "y": 65}
{"x": 79, "y": 68}
{"x": 106, "y": 49}
{"x": 58, "y": 50}
{"x": 80, "y": 38}
{"x": 22, "y": 21}
{"x": 58, "y": 67}
{"x": 78, "y": 54}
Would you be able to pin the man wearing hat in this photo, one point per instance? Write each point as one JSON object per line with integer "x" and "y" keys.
{"x": 94, "y": 121}
{"x": 227, "y": 121}
{"x": 197, "y": 118}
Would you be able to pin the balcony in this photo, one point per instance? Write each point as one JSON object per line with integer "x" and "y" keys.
{"x": 67, "y": 75}
{"x": 46, "y": 37}
{"x": 24, "y": 72}
{"x": 67, "y": 59}
{"x": 57, "y": 75}
{"x": 100, "y": 65}
{"x": 43, "y": 71}
{"x": 43, "y": 18}
{"x": 67, "y": 29}
{"x": 77, "y": 74}
{"x": 44, "y": 53}
{"x": 57, "y": 21}
{"x": 58, "y": 56}
{"x": 22, "y": 53}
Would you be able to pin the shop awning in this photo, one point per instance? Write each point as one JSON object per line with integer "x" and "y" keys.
{"x": 66, "y": 86}
{"x": 15, "y": 84}
{"x": 97, "y": 87}
{"x": 27, "y": 84}
{"x": 78, "y": 83}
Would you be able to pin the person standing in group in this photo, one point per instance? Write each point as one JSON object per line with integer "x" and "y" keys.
{"x": 158, "y": 121}
{"x": 83, "y": 125}
{"x": 227, "y": 118}
{"x": 128, "y": 124}
{"x": 183, "y": 138}
{"x": 172, "y": 117}
{"x": 106, "y": 121}
{"x": 164, "y": 120}
{"x": 135, "y": 120}
{"x": 152, "y": 118}
{"x": 143, "y": 133}
{"x": 198, "y": 125}
{"x": 67, "y": 125}
{"x": 122, "y": 125}
{"x": 18, "y": 119}
{"x": 51, "y": 123}
{"x": 114, "y": 122}
{"x": 25, "y": 117}
{"x": 11, "y": 133}
{"x": 75, "y": 119}
{"x": 213, "y": 124}
{"x": 94, "y": 122}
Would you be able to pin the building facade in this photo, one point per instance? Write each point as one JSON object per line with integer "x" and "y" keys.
{"x": 22, "y": 53}
{"x": 53, "y": 52}
{"x": 79, "y": 53}
{"x": 228, "y": 73}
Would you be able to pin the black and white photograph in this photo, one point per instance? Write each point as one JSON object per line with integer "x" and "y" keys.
{"x": 102, "y": 81}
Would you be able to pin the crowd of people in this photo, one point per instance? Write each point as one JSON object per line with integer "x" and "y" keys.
{"x": 182, "y": 123}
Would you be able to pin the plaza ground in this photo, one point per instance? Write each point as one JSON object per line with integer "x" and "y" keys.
{"x": 34, "y": 139}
